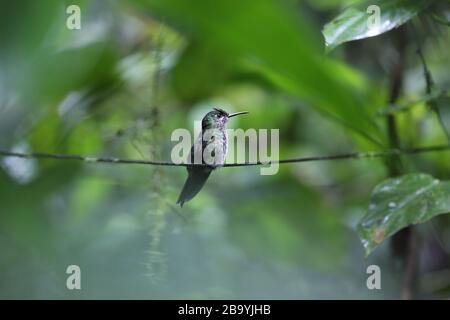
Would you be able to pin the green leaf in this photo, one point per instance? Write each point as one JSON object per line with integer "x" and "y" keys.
{"x": 399, "y": 202}
{"x": 354, "y": 22}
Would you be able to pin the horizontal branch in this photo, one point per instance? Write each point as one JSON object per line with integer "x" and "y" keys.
{"x": 352, "y": 155}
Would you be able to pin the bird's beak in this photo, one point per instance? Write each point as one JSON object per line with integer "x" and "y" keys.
{"x": 237, "y": 113}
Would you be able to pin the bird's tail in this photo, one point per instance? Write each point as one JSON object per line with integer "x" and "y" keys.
{"x": 194, "y": 183}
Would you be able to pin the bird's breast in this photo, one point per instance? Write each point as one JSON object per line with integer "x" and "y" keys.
{"x": 211, "y": 148}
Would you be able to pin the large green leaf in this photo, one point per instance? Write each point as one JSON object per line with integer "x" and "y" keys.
{"x": 269, "y": 36}
{"x": 353, "y": 23}
{"x": 399, "y": 202}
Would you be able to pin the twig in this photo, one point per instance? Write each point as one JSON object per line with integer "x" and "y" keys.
{"x": 351, "y": 155}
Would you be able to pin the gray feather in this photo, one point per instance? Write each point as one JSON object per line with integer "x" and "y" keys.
{"x": 194, "y": 183}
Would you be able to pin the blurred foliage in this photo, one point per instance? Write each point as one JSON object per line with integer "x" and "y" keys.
{"x": 137, "y": 70}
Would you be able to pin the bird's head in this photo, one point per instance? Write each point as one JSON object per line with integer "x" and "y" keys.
{"x": 218, "y": 118}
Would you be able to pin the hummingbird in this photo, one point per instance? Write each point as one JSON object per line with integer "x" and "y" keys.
{"x": 210, "y": 148}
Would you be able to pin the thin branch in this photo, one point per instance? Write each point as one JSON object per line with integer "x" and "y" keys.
{"x": 351, "y": 155}
{"x": 440, "y": 20}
